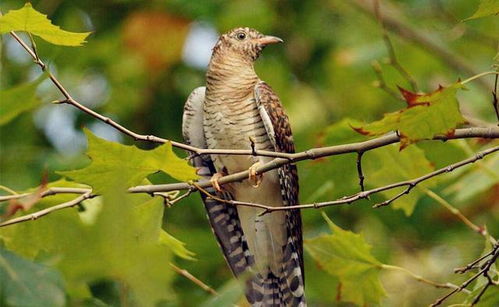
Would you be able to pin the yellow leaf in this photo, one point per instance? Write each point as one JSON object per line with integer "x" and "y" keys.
{"x": 29, "y": 20}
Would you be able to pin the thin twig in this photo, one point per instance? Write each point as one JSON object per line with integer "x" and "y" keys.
{"x": 47, "y": 192}
{"x": 483, "y": 271}
{"x": 419, "y": 278}
{"x": 355, "y": 197}
{"x": 391, "y": 50}
{"x": 456, "y": 212}
{"x": 381, "y": 83}
{"x": 8, "y": 190}
{"x": 195, "y": 280}
{"x": 360, "y": 173}
{"x": 38, "y": 214}
{"x": 495, "y": 100}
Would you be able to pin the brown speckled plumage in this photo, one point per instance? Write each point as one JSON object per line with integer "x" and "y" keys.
{"x": 237, "y": 106}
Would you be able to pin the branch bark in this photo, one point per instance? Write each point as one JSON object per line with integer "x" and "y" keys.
{"x": 314, "y": 153}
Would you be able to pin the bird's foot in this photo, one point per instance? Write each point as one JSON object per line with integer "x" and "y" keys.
{"x": 214, "y": 181}
{"x": 253, "y": 177}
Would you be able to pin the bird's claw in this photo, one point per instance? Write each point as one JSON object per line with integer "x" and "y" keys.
{"x": 214, "y": 181}
{"x": 253, "y": 177}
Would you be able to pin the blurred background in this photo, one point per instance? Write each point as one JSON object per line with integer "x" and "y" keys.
{"x": 144, "y": 57}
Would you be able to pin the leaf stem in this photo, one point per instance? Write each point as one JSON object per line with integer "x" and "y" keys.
{"x": 479, "y": 76}
{"x": 419, "y": 277}
{"x": 455, "y": 211}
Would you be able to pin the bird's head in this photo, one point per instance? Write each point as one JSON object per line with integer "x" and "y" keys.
{"x": 246, "y": 43}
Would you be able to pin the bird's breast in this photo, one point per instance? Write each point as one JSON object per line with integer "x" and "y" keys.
{"x": 233, "y": 121}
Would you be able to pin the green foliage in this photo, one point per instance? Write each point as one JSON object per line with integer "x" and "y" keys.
{"x": 129, "y": 164}
{"x": 19, "y": 99}
{"x": 117, "y": 237}
{"x": 25, "y": 283}
{"x": 29, "y": 20}
{"x": 388, "y": 165}
{"x": 133, "y": 70}
{"x": 475, "y": 181}
{"x": 177, "y": 246}
{"x": 486, "y": 8}
{"x": 346, "y": 255}
{"x": 425, "y": 116}
{"x": 490, "y": 298}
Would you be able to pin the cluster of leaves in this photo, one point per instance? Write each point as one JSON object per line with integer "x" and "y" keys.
{"x": 115, "y": 249}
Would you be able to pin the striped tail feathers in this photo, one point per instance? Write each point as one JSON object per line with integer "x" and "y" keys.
{"x": 226, "y": 226}
{"x": 265, "y": 289}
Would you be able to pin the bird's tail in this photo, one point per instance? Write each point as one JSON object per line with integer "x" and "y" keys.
{"x": 284, "y": 289}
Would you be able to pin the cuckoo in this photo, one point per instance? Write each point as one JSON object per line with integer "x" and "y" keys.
{"x": 237, "y": 110}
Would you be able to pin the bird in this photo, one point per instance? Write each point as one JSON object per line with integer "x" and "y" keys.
{"x": 237, "y": 110}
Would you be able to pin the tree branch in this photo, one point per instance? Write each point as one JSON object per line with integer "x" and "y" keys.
{"x": 139, "y": 137}
{"x": 192, "y": 278}
{"x": 406, "y": 32}
{"x": 36, "y": 215}
{"x": 352, "y": 198}
{"x": 315, "y": 153}
{"x": 192, "y": 186}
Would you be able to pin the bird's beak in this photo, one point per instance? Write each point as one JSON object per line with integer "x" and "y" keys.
{"x": 268, "y": 39}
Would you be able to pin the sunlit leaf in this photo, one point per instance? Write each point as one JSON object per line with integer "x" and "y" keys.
{"x": 128, "y": 164}
{"x": 426, "y": 115}
{"x": 19, "y": 99}
{"x": 347, "y": 256}
{"x": 25, "y": 283}
{"x": 486, "y": 8}
{"x": 177, "y": 246}
{"x": 29, "y": 20}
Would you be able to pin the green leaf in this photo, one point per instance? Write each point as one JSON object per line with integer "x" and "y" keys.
{"x": 334, "y": 177}
{"x": 486, "y": 8}
{"x": 388, "y": 165}
{"x": 426, "y": 115}
{"x": 19, "y": 99}
{"x": 121, "y": 242}
{"x": 177, "y": 246}
{"x": 475, "y": 181}
{"x": 25, "y": 283}
{"x": 346, "y": 255}
{"x": 29, "y": 20}
{"x": 128, "y": 164}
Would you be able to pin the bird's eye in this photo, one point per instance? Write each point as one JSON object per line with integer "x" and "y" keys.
{"x": 241, "y": 35}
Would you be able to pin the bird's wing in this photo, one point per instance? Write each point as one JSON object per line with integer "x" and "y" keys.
{"x": 276, "y": 124}
{"x": 223, "y": 217}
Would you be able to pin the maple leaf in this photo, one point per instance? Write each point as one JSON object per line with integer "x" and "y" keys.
{"x": 426, "y": 115}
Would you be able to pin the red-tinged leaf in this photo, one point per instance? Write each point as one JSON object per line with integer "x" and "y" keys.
{"x": 427, "y": 115}
{"x": 25, "y": 203}
{"x": 410, "y": 97}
